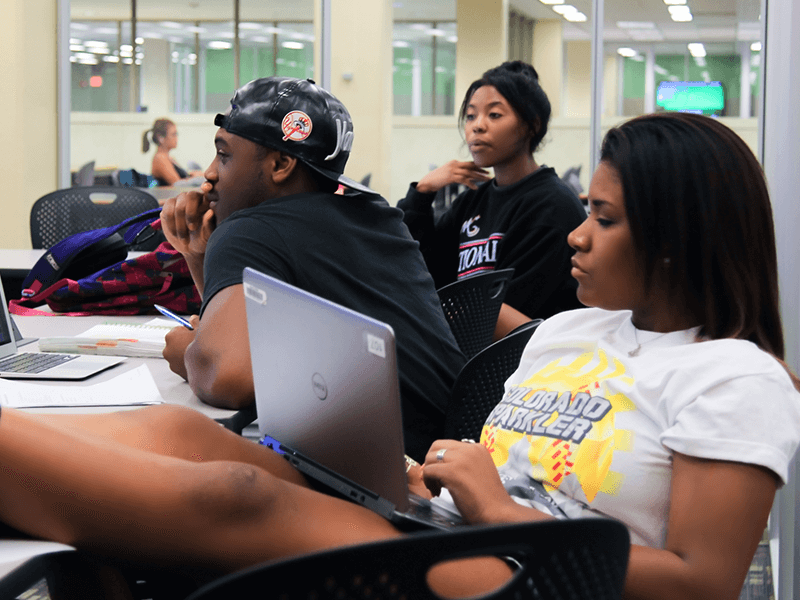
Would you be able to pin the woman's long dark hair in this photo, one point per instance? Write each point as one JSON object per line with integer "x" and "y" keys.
{"x": 518, "y": 83}
{"x": 157, "y": 133}
{"x": 697, "y": 201}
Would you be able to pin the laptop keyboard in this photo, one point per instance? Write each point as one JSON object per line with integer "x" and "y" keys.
{"x": 34, "y": 362}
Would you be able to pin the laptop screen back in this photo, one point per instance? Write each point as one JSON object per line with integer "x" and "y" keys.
{"x": 326, "y": 383}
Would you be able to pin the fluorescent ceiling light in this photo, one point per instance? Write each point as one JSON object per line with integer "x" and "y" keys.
{"x": 171, "y": 25}
{"x": 575, "y": 17}
{"x": 696, "y": 50}
{"x": 76, "y": 48}
{"x": 95, "y": 44}
{"x": 436, "y": 32}
{"x": 400, "y": 44}
{"x": 293, "y": 45}
{"x": 194, "y": 29}
{"x": 564, "y": 9}
{"x": 646, "y": 35}
{"x": 626, "y": 52}
{"x": 127, "y": 61}
{"x": 552, "y": 1}
{"x": 75, "y": 41}
{"x": 251, "y": 26}
{"x": 419, "y": 26}
{"x": 681, "y": 16}
{"x": 99, "y": 50}
{"x": 636, "y": 25}
{"x": 677, "y": 10}
{"x": 755, "y": 46}
{"x": 452, "y": 39}
{"x": 674, "y": 2}
{"x": 79, "y": 26}
{"x": 111, "y": 59}
{"x": 260, "y": 39}
{"x": 219, "y": 45}
{"x": 273, "y": 30}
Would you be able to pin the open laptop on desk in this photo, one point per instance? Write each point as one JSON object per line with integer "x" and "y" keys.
{"x": 44, "y": 365}
{"x": 328, "y": 398}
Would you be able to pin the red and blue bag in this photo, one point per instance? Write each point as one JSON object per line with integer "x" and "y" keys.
{"x": 89, "y": 273}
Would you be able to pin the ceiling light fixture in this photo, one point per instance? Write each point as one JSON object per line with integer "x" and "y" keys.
{"x": 576, "y": 17}
{"x": 755, "y": 46}
{"x": 564, "y": 9}
{"x": 697, "y": 50}
{"x": 636, "y": 25}
{"x": 626, "y": 52}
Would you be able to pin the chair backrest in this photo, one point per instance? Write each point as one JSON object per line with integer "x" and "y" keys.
{"x": 479, "y": 386}
{"x": 84, "y": 176}
{"x": 472, "y": 305}
{"x": 68, "y": 211}
{"x": 582, "y": 559}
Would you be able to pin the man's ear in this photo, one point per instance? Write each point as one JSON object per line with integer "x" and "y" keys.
{"x": 283, "y": 167}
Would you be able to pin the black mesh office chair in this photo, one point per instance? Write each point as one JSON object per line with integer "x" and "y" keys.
{"x": 472, "y": 305}
{"x": 479, "y": 386}
{"x": 582, "y": 559}
{"x": 64, "y": 212}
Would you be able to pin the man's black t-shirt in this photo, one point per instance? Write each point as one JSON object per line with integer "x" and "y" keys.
{"x": 355, "y": 251}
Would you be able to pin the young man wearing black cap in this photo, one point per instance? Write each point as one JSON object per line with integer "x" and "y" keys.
{"x": 268, "y": 203}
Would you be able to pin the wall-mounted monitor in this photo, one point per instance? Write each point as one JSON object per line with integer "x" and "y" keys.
{"x": 703, "y": 97}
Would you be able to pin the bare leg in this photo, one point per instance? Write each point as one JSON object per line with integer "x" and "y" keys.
{"x": 121, "y": 501}
{"x": 173, "y": 431}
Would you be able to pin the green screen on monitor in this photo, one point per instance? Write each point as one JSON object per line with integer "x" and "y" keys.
{"x": 694, "y": 96}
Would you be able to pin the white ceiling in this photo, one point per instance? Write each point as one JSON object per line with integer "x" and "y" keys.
{"x": 714, "y": 20}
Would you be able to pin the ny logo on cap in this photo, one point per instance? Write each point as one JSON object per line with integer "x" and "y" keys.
{"x": 344, "y": 140}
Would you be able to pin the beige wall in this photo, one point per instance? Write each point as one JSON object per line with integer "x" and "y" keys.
{"x": 482, "y": 29}
{"x": 367, "y": 93}
{"x": 28, "y": 154}
{"x": 548, "y": 59}
{"x": 577, "y": 101}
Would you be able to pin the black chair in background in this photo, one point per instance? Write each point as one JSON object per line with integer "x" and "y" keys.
{"x": 65, "y": 212}
{"x": 479, "y": 386}
{"x": 570, "y": 559}
{"x": 84, "y": 176}
{"x": 472, "y": 305}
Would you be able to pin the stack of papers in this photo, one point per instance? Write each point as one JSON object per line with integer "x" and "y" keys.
{"x": 132, "y": 388}
{"x": 142, "y": 340}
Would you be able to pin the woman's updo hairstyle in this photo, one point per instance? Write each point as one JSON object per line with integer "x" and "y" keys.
{"x": 518, "y": 83}
{"x": 158, "y": 132}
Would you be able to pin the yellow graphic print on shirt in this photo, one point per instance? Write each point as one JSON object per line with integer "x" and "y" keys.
{"x": 567, "y": 415}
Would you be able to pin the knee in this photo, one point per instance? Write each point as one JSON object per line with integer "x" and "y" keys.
{"x": 228, "y": 493}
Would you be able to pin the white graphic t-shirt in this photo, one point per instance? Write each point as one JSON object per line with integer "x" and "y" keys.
{"x": 591, "y": 417}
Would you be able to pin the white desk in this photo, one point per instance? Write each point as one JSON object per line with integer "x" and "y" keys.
{"x": 174, "y": 390}
{"x": 16, "y": 259}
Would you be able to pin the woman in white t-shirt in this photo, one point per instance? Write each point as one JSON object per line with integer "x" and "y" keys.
{"x": 664, "y": 406}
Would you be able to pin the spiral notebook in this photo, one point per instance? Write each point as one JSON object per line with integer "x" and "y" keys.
{"x": 142, "y": 340}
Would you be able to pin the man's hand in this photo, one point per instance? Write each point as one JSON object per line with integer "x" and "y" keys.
{"x": 177, "y": 341}
{"x": 188, "y": 222}
{"x": 467, "y": 173}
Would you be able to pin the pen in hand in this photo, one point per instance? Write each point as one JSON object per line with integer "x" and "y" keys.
{"x": 168, "y": 313}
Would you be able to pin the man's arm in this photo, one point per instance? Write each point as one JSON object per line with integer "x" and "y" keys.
{"x": 217, "y": 361}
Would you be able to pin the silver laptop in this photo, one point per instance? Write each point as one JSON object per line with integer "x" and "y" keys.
{"x": 44, "y": 365}
{"x": 328, "y": 398}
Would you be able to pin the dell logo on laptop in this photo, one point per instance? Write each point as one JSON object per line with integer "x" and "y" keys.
{"x": 319, "y": 386}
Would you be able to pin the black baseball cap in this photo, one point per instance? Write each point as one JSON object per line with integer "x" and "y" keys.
{"x": 298, "y": 117}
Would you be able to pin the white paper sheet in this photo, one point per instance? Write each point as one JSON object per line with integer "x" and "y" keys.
{"x": 132, "y": 388}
